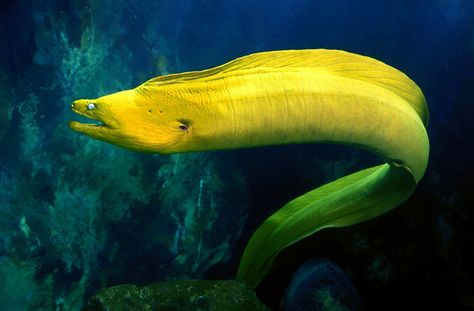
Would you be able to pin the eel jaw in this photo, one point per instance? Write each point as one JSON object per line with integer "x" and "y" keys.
{"x": 99, "y": 128}
{"x": 87, "y": 129}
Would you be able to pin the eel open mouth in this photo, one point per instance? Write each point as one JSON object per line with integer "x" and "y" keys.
{"x": 86, "y": 109}
{"x": 78, "y": 126}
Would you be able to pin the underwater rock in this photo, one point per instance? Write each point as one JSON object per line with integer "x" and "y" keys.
{"x": 203, "y": 295}
{"x": 320, "y": 285}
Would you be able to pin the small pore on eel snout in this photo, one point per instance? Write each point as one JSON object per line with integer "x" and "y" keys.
{"x": 150, "y": 111}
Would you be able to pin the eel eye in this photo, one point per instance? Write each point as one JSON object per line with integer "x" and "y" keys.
{"x": 91, "y": 106}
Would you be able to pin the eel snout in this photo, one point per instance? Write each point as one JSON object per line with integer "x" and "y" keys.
{"x": 96, "y": 116}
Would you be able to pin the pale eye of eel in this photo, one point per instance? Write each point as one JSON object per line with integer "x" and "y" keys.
{"x": 91, "y": 106}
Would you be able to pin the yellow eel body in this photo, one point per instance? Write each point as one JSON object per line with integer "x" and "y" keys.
{"x": 282, "y": 97}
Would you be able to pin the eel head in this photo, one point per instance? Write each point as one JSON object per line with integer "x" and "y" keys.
{"x": 124, "y": 120}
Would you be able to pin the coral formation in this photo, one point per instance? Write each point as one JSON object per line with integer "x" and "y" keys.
{"x": 206, "y": 232}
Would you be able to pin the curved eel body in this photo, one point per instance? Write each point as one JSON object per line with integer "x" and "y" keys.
{"x": 282, "y": 97}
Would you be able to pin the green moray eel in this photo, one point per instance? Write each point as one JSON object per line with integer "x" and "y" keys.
{"x": 282, "y": 97}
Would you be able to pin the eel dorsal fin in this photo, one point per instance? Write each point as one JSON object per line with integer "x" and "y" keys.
{"x": 334, "y": 62}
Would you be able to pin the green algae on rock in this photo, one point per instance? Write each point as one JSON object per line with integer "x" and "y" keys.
{"x": 229, "y": 295}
